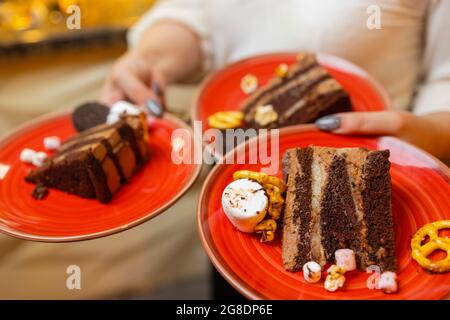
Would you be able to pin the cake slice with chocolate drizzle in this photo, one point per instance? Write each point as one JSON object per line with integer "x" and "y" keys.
{"x": 306, "y": 92}
{"x": 96, "y": 162}
{"x": 336, "y": 199}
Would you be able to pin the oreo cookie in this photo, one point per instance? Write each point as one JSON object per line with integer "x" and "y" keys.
{"x": 89, "y": 115}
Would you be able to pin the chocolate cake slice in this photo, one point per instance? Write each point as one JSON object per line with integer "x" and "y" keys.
{"x": 304, "y": 94}
{"x": 336, "y": 199}
{"x": 96, "y": 162}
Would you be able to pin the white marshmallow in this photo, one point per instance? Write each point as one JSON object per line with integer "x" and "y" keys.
{"x": 52, "y": 143}
{"x": 345, "y": 258}
{"x": 39, "y": 158}
{"x": 388, "y": 282}
{"x": 112, "y": 118}
{"x": 4, "y": 168}
{"x": 312, "y": 271}
{"x": 245, "y": 203}
{"x": 121, "y": 107}
{"x": 27, "y": 155}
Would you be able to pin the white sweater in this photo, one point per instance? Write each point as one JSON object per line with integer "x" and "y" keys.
{"x": 409, "y": 55}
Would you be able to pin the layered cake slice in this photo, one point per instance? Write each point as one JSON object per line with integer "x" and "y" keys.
{"x": 96, "y": 162}
{"x": 336, "y": 199}
{"x": 305, "y": 93}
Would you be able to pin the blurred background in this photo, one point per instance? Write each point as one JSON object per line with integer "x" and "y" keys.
{"x": 46, "y": 67}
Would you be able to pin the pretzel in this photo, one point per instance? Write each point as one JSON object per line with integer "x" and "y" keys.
{"x": 261, "y": 177}
{"x": 420, "y": 251}
{"x": 226, "y": 120}
{"x": 267, "y": 229}
{"x": 276, "y": 201}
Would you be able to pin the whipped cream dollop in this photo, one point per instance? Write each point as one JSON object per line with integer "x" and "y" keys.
{"x": 245, "y": 203}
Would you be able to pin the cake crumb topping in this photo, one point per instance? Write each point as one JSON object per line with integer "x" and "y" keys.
{"x": 265, "y": 115}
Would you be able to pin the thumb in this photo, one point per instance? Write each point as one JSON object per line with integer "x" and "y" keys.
{"x": 370, "y": 123}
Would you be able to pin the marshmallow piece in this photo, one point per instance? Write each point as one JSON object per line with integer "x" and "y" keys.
{"x": 388, "y": 282}
{"x": 249, "y": 83}
{"x": 39, "y": 159}
{"x": 4, "y": 168}
{"x": 52, "y": 143}
{"x": 27, "y": 155}
{"x": 345, "y": 258}
{"x": 112, "y": 118}
{"x": 121, "y": 107}
{"x": 245, "y": 203}
{"x": 312, "y": 271}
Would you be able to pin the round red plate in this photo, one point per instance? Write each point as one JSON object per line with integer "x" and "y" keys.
{"x": 420, "y": 194}
{"x": 64, "y": 217}
{"x": 221, "y": 90}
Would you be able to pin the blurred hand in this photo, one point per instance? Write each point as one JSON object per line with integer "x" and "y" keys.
{"x": 430, "y": 132}
{"x": 134, "y": 79}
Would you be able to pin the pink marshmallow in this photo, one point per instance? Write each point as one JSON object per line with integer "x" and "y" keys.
{"x": 388, "y": 282}
{"x": 345, "y": 258}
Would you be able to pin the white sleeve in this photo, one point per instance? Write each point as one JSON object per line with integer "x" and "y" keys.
{"x": 434, "y": 93}
{"x": 191, "y": 13}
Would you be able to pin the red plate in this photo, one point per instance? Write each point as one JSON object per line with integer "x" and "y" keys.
{"x": 64, "y": 217}
{"x": 221, "y": 90}
{"x": 420, "y": 194}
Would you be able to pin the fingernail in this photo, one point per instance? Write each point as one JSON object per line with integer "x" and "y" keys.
{"x": 156, "y": 89}
{"x": 328, "y": 123}
{"x": 154, "y": 107}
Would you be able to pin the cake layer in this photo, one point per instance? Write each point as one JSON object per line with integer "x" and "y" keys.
{"x": 96, "y": 162}
{"x": 306, "y": 93}
{"x": 336, "y": 199}
{"x": 132, "y": 129}
{"x": 87, "y": 171}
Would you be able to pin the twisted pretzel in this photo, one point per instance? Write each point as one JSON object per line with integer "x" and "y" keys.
{"x": 226, "y": 120}
{"x": 267, "y": 229}
{"x": 276, "y": 201}
{"x": 421, "y": 252}
{"x": 261, "y": 177}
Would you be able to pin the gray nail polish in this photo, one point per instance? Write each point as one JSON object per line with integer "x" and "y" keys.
{"x": 154, "y": 107}
{"x": 156, "y": 89}
{"x": 328, "y": 123}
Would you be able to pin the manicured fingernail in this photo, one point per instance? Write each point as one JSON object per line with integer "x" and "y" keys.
{"x": 154, "y": 107}
{"x": 156, "y": 89}
{"x": 328, "y": 123}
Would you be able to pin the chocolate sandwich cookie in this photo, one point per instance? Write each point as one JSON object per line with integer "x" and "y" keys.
{"x": 89, "y": 115}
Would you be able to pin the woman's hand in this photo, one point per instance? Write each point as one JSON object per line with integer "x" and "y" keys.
{"x": 166, "y": 52}
{"x": 430, "y": 132}
{"x": 134, "y": 79}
